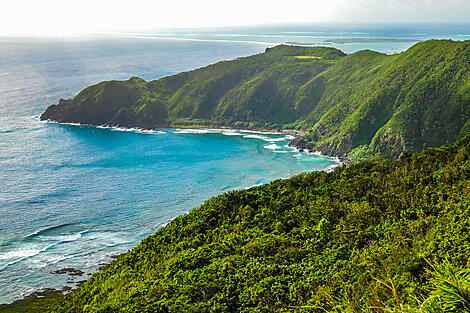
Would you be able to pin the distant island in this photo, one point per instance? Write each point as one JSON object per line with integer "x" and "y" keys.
{"x": 369, "y": 40}
{"x": 355, "y": 106}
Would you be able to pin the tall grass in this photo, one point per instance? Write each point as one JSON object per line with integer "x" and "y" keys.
{"x": 449, "y": 293}
{"x": 451, "y": 289}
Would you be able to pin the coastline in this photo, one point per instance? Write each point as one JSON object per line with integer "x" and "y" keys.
{"x": 196, "y": 127}
{"x": 47, "y": 292}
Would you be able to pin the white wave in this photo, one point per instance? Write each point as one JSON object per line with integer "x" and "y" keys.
{"x": 22, "y": 254}
{"x": 58, "y": 259}
{"x": 269, "y": 139}
{"x": 150, "y": 132}
{"x": 272, "y": 147}
{"x": 331, "y": 167}
{"x": 335, "y": 159}
{"x": 65, "y": 238}
{"x": 297, "y": 155}
{"x": 256, "y": 137}
{"x": 275, "y": 139}
{"x": 131, "y": 129}
{"x": 19, "y": 254}
{"x": 63, "y": 123}
{"x": 124, "y": 129}
{"x": 255, "y": 185}
{"x": 107, "y": 239}
{"x": 280, "y": 151}
{"x": 231, "y": 133}
{"x": 259, "y": 132}
{"x": 319, "y": 153}
{"x": 193, "y": 131}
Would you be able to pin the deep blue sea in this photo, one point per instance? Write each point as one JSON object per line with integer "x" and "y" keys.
{"x": 74, "y": 196}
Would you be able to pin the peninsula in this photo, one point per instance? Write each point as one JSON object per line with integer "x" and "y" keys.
{"x": 376, "y": 236}
{"x": 355, "y": 106}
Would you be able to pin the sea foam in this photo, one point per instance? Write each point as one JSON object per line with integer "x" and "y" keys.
{"x": 272, "y": 147}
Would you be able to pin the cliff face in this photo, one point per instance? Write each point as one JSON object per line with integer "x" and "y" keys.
{"x": 357, "y": 105}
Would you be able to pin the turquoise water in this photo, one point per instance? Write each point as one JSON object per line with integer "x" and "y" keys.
{"x": 74, "y": 196}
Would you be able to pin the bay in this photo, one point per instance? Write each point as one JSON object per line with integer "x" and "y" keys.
{"x": 74, "y": 196}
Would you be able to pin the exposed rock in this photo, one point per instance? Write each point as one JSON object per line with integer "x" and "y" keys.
{"x": 69, "y": 270}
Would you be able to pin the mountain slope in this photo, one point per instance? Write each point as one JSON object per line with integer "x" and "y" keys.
{"x": 417, "y": 99}
{"x": 303, "y": 244}
{"x": 359, "y": 105}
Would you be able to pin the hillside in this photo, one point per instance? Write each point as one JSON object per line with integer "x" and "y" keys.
{"x": 359, "y": 105}
{"x": 362, "y": 236}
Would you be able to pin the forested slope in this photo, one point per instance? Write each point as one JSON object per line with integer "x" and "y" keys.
{"x": 359, "y": 105}
{"x": 361, "y": 238}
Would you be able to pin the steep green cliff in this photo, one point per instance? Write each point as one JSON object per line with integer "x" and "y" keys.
{"x": 389, "y": 104}
{"x": 357, "y": 105}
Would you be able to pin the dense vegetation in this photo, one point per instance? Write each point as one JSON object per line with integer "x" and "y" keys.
{"x": 359, "y": 105}
{"x": 376, "y": 236}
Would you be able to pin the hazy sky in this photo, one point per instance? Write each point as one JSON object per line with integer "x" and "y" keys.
{"x": 50, "y": 17}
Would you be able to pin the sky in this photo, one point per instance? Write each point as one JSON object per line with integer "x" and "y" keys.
{"x": 67, "y": 17}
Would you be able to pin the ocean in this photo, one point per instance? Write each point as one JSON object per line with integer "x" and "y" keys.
{"x": 74, "y": 196}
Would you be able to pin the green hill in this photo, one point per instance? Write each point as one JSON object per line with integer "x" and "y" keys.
{"x": 360, "y": 237}
{"x": 359, "y": 105}
{"x": 375, "y": 236}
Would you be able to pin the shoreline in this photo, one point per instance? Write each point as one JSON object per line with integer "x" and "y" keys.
{"x": 256, "y": 130}
{"x": 261, "y": 130}
{"x": 47, "y": 292}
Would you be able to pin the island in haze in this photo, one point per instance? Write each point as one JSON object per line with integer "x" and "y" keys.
{"x": 352, "y": 106}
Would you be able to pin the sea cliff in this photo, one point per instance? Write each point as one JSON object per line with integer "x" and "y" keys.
{"x": 354, "y": 106}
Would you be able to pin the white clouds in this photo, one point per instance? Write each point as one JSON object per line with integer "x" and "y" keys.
{"x": 83, "y": 16}
{"x": 405, "y": 10}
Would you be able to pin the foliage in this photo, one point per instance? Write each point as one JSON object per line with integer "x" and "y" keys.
{"x": 384, "y": 105}
{"x": 451, "y": 289}
{"x": 358, "y": 239}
